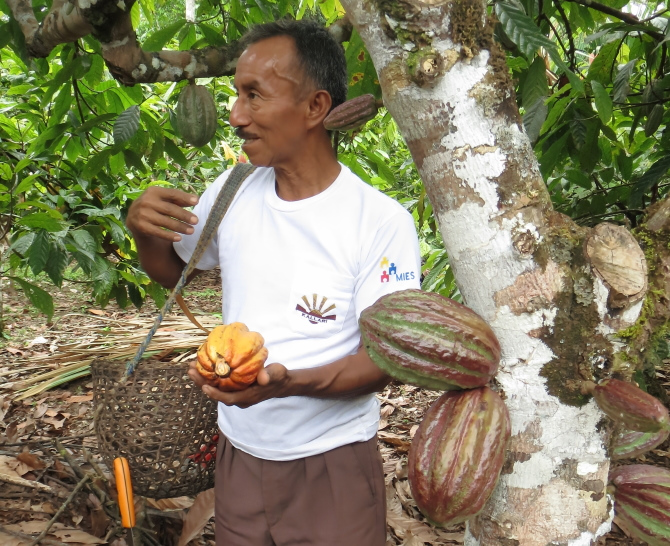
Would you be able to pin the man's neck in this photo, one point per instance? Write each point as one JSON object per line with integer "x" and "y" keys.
{"x": 313, "y": 172}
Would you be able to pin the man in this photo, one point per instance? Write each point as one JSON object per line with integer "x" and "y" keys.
{"x": 303, "y": 249}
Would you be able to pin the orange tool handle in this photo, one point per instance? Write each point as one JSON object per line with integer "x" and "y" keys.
{"x": 124, "y": 488}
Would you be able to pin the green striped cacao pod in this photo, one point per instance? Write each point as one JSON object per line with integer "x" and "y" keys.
{"x": 195, "y": 115}
{"x": 629, "y": 406}
{"x": 631, "y": 443}
{"x": 351, "y": 114}
{"x": 430, "y": 341}
{"x": 457, "y": 453}
{"x": 642, "y": 502}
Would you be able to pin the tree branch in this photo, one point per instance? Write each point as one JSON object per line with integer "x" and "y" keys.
{"x": 628, "y": 18}
{"x": 568, "y": 31}
{"x": 109, "y": 22}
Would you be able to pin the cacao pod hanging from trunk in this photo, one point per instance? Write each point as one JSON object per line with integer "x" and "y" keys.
{"x": 631, "y": 443}
{"x": 195, "y": 115}
{"x": 629, "y": 406}
{"x": 430, "y": 341}
{"x": 352, "y": 114}
{"x": 642, "y": 502}
{"x": 457, "y": 454}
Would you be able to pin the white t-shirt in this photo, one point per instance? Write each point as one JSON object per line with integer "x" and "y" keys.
{"x": 300, "y": 273}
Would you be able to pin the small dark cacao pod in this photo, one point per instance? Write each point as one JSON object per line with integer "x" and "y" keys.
{"x": 642, "y": 502}
{"x": 430, "y": 341}
{"x": 351, "y": 114}
{"x": 631, "y": 407}
{"x": 196, "y": 115}
{"x": 457, "y": 454}
{"x": 631, "y": 443}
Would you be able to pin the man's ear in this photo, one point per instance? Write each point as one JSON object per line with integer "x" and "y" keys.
{"x": 318, "y": 107}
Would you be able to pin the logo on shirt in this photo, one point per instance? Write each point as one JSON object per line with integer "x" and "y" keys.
{"x": 390, "y": 272}
{"x": 315, "y": 314}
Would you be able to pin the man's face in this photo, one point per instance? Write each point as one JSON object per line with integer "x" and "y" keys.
{"x": 271, "y": 109}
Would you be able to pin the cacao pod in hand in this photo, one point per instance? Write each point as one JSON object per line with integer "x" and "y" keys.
{"x": 631, "y": 443}
{"x": 195, "y": 115}
{"x": 457, "y": 454}
{"x": 430, "y": 341}
{"x": 642, "y": 502}
{"x": 631, "y": 407}
{"x": 232, "y": 356}
{"x": 351, "y": 114}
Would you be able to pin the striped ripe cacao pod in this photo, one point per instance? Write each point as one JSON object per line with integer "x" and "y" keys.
{"x": 457, "y": 454}
{"x": 195, "y": 115}
{"x": 425, "y": 339}
{"x": 642, "y": 502}
{"x": 631, "y": 443}
{"x": 352, "y": 114}
{"x": 631, "y": 407}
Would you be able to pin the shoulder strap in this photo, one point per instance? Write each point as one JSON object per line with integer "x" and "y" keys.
{"x": 239, "y": 174}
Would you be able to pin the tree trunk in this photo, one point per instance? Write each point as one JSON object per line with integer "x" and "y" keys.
{"x": 553, "y": 292}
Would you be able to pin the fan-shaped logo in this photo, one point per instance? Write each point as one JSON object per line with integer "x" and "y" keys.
{"x": 316, "y": 311}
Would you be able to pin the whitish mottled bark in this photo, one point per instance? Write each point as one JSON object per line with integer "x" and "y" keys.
{"x": 517, "y": 262}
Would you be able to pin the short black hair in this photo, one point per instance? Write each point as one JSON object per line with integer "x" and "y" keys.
{"x": 320, "y": 56}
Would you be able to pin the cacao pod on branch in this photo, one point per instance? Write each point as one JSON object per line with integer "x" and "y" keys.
{"x": 642, "y": 502}
{"x": 430, "y": 341}
{"x": 352, "y": 114}
{"x": 631, "y": 443}
{"x": 457, "y": 454}
{"x": 195, "y": 115}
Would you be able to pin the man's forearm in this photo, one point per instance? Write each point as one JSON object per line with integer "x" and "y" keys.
{"x": 350, "y": 376}
{"x": 159, "y": 260}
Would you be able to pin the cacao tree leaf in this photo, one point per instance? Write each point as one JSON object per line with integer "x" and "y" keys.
{"x": 38, "y": 254}
{"x": 603, "y": 65}
{"x": 214, "y": 36}
{"x": 104, "y": 277}
{"x": 551, "y": 157}
{"x": 534, "y": 117}
{"x": 126, "y": 124}
{"x": 121, "y": 295}
{"x": 135, "y": 15}
{"x": 648, "y": 180}
{"x": 157, "y": 293}
{"x": 40, "y": 298}
{"x": 590, "y": 152}
{"x": 56, "y": 264}
{"x": 428, "y": 282}
{"x": 625, "y": 164}
{"x": 41, "y": 220}
{"x": 136, "y": 296}
{"x": 157, "y": 40}
{"x": 61, "y": 105}
{"x": 522, "y": 30}
{"x": 653, "y": 120}
{"x": 175, "y": 153}
{"x": 94, "y": 122}
{"x": 22, "y": 244}
{"x": 95, "y": 163}
{"x": 535, "y": 83}
{"x": 621, "y": 85}
{"x": 361, "y": 72}
{"x": 85, "y": 243}
{"x": 148, "y": 10}
{"x": 603, "y": 101}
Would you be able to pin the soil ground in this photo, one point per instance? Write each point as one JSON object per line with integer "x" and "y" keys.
{"x": 30, "y": 428}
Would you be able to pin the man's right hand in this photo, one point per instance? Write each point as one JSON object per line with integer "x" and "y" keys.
{"x": 160, "y": 212}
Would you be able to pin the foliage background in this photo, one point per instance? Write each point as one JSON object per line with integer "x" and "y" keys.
{"x": 77, "y": 147}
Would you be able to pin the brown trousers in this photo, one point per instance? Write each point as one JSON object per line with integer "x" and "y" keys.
{"x": 333, "y": 499}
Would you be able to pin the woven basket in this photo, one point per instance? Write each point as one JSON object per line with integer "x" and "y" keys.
{"x": 156, "y": 419}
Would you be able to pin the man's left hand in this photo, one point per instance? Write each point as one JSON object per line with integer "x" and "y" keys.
{"x": 272, "y": 382}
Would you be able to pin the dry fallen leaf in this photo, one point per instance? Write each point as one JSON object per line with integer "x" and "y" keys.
{"x": 31, "y": 460}
{"x": 197, "y": 517}
{"x": 80, "y": 398}
{"x": 175, "y": 503}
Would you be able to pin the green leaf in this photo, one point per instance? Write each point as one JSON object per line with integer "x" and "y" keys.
{"x": 522, "y": 30}
{"x": 175, "y": 153}
{"x": 157, "y": 293}
{"x": 135, "y": 15}
{"x": 431, "y": 277}
{"x": 550, "y": 158}
{"x": 590, "y": 153}
{"x": 22, "y": 244}
{"x": 85, "y": 243}
{"x": 55, "y": 266}
{"x": 136, "y": 296}
{"x": 213, "y": 35}
{"x": 535, "y": 84}
{"x": 621, "y": 86}
{"x": 127, "y": 124}
{"x": 39, "y": 252}
{"x": 534, "y": 117}
{"x": 603, "y": 101}
{"x": 97, "y": 162}
{"x": 158, "y": 39}
{"x": 361, "y": 72}
{"x": 121, "y": 295}
{"x": 41, "y": 220}
{"x": 41, "y": 299}
{"x": 648, "y": 180}
{"x": 603, "y": 65}
{"x": 94, "y": 122}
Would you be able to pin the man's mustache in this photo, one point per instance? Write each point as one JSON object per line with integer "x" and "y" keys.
{"x": 240, "y": 133}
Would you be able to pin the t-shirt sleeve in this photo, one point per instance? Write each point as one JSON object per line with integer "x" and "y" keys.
{"x": 186, "y": 247}
{"x": 393, "y": 262}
